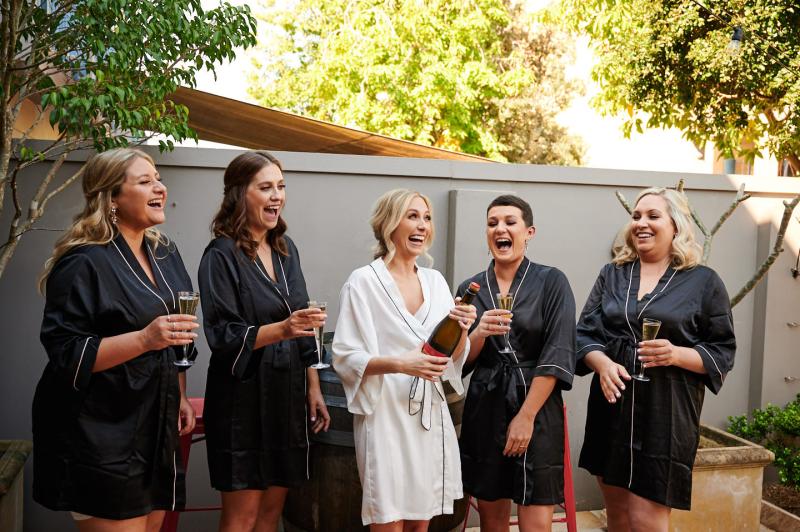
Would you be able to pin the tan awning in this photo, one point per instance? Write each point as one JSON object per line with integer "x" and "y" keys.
{"x": 220, "y": 119}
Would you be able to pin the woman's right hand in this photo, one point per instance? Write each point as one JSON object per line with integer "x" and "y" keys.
{"x": 418, "y": 364}
{"x": 165, "y": 331}
{"x": 611, "y": 376}
{"x": 494, "y": 322}
{"x": 302, "y": 322}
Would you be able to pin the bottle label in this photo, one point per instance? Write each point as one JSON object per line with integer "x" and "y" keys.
{"x": 428, "y": 350}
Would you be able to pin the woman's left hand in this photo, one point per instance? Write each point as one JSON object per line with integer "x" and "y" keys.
{"x": 465, "y": 314}
{"x": 519, "y": 435}
{"x": 317, "y": 411}
{"x": 658, "y": 352}
{"x": 186, "y": 417}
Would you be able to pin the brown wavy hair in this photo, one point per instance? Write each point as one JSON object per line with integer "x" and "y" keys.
{"x": 102, "y": 177}
{"x": 231, "y": 219}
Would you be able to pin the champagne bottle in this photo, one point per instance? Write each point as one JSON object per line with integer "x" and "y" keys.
{"x": 447, "y": 333}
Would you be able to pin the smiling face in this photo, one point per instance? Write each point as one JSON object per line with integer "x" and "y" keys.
{"x": 264, "y": 199}
{"x": 141, "y": 198}
{"x": 411, "y": 236}
{"x": 652, "y": 228}
{"x": 506, "y": 233}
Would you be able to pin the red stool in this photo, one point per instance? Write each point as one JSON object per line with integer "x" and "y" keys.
{"x": 569, "y": 491}
{"x": 170, "y": 523}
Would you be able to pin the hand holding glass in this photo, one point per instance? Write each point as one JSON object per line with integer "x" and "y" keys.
{"x": 187, "y": 304}
{"x": 322, "y": 306}
{"x": 506, "y": 302}
{"x": 650, "y": 329}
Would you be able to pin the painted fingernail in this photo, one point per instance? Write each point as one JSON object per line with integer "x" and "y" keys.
{"x": 617, "y": 394}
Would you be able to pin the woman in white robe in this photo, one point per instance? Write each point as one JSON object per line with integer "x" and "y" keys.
{"x": 406, "y": 446}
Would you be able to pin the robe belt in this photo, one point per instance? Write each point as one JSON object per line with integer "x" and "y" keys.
{"x": 420, "y": 399}
{"x": 622, "y": 351}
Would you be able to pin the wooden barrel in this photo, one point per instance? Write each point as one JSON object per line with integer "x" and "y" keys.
{"x": 331, "y": 500}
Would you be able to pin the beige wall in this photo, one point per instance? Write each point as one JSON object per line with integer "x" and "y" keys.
{"x": 329, "y": 201}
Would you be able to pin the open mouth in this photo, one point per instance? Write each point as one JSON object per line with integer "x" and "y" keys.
{"x": 156, "y": 203}
{"x": 273, "y": 210}
{"x": 417, "y": 239}
{"x": 503, "y": 244}
{"x": 644, "y": 235}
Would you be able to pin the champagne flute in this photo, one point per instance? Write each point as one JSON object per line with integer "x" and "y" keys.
{"x": 187, "y": 304}
{"x": 506, "y": 302}
{"x": 650, "y": 329}
{"x": 322, "y": 306}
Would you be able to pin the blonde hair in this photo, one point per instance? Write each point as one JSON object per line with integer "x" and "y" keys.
{"x": 686, "y": 252}
{"x": 102, "y": 177}
{"x": 387, "y": 214}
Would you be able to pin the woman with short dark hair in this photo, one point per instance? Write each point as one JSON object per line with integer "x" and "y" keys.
{"x": 512, "y": 436}
{"x": 259, "y": 391}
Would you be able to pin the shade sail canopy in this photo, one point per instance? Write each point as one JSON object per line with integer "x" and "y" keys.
{"x": 220, "y": 119}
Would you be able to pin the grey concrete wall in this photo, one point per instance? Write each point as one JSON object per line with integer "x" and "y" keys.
{"x": 329, "y": 202}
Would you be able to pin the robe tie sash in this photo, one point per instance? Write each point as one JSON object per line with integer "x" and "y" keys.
{"x": 420, "y": 399}
{"x": 622, "y": 351}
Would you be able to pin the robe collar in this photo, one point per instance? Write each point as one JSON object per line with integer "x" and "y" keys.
{"x": 493, "y": 287}
{"x": 275, "y": 286}
{"x": 632, "y": 312}
{"x": 161, "y": 287}
{"x": 416, "y": 321}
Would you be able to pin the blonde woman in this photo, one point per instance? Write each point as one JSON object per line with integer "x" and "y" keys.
{"x": 110, "y": 405}
{"x": 641, "y": 437}
{"x": 406, "y": 445}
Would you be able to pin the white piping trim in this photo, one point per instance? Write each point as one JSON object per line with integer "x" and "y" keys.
{"x": 80, "y": 361}
{"x": 162, "y": 276}
{"x": 712, "y": 359}
{"x": 244, "y": 341}
{"x": 588, "y": 345}
{"x": 272, "y": 283}
{"x": 633, "y": 382}
{"x": 553, "y": 366}
{"x": 174, "y": 478}
{"x": 140, "y": 279}
{"x": 633, "y": 409}
{"x": 305, "y": 407}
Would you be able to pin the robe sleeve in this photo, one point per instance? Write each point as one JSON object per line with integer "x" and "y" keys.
{"x": 352, "y": 343}
{"x": 557, "y": 358}
{"x": 718, "y": 343}
{"x": 67, "y": 333}
{"x": 590, "y": 334}
{"x": 230, "y": 336}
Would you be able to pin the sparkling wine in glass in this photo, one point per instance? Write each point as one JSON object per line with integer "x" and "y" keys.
{"x": 187, "y": 304}
{"x": 650, "y": 329}
{"x": 505, "y": 302}
{"x": 322, "y": 306}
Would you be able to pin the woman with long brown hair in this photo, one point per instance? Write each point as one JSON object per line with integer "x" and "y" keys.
{"x": 111, "y": 402}
{"x": 259, "y": 390}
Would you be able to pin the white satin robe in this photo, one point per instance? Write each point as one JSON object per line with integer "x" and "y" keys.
{"x": 408, "y": 464}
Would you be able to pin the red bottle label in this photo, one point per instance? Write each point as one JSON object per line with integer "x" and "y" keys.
{"x": 428, "y": 350}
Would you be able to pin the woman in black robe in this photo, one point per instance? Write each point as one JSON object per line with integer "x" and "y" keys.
{"x": 512, "y": 436}
{"x": 259, "y": 390}
{"x": 641, "y": 437}
{"x": 110, "y": 405}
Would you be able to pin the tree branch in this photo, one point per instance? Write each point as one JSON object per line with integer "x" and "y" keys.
{"x": 624, "y": 202}
{"x": 788, "y": 208}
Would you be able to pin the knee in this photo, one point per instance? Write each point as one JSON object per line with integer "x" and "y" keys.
{"x": 240, "y": 520}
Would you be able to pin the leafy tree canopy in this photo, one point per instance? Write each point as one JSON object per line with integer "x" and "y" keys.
{"x": 101, "y": 72}
{"x": 478, "y": 77}
{"x": 666, "y": 63}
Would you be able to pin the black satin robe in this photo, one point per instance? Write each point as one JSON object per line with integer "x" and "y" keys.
{"x": 255, "y": 405}
{"x": 646, "y": 441}
{"x": 543, "y": 335}
{"x": 106, "y": 443}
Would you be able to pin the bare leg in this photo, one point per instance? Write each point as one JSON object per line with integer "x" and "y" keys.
{"x": 617, "y": 504}
{"x": 647, "y": 516}
{"x": 270, "y": 509}
{"x": 394, "y": 526}
{"x": 98, "y": 524}
{"x": 239, "y": 510}
{"x": 415, "y": 526}
{"x": 495, "y": 515}
{"x": 535, "y": 518}
{"x": 154, "y": 520}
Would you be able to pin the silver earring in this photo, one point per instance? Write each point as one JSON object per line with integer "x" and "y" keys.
{"x": 114, "y": 215}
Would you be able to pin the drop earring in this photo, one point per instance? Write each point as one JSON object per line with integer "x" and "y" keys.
{"x": 114, "y": 215}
